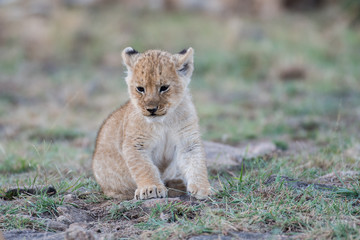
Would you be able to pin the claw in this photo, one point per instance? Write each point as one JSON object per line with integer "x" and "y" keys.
{"x": 152, "y": 191}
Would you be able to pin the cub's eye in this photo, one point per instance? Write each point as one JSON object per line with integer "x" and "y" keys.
{"x": 164, "y": 88}
{"x": 140, "y": 89}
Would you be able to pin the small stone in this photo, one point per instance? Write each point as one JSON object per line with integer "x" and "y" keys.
{"x": 68, "y": 198}
{"x": 79, "y": 225}
{"x": 58, "y": 226}
{"x": 30, "y": 234}
{"x": 260, "y": 149}
{"x": 223, "y": 157}
{"x": 78, "y": 233}
{"x": 159, "y": 201}
{"x": 164, "y": 216}
{"x": 63, "y": 220}
{"x": 297, "y": 184}
{"x": 340, "y": 178}
{"x": 74, "y": 214}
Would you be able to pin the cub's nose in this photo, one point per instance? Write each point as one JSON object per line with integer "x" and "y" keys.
{"x": 152, "y": 110}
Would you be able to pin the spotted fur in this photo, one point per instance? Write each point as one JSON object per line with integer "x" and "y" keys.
{"x": 154, "y": 138}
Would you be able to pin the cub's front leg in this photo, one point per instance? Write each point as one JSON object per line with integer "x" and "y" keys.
{"x": 143, "y": 171}
{"x": 192, "y": 165}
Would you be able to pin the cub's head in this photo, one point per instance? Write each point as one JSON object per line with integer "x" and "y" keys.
{"x": 157, "y": 80}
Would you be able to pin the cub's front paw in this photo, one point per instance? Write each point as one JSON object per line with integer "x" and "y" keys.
{"x": 152, "y": 191}
{"x": 199, "y": 191}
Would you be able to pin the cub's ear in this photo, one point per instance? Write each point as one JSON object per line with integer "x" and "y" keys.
{"x": 185, "y": 62}
{"x": 129, "y": 56}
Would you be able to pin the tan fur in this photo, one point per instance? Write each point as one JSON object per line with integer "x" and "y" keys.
{"x": 137, "y": 154}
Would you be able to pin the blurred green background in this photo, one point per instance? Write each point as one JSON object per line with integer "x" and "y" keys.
{"x": 284, "y": 71}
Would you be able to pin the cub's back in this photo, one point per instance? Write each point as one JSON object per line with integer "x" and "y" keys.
{"x": 111, "y": 129}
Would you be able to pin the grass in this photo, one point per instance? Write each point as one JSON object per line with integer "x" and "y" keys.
{"x": 250, "y": 205}
{"x": 15, "y": 222}
{"x": 50, "y": 110}
{"x": 49, "y": 135}
{"x": 30, "y": 213}
{"x": 17, "y": 164}
{"x": 245, "y": 202}
{"x": 118, "y": 212}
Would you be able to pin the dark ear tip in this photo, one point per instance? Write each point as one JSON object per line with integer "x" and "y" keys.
{"x": 183, "y": 51}
{"x": 130, "y": 51}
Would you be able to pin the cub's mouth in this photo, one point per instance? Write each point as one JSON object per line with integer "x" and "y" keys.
{"x": 154, "y": 115}
{"x": 155, "y": 118}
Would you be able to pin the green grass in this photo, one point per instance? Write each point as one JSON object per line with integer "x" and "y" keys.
{"x": 44, "y": 205}
{"x": 10, "y": 222}
{"x": 17, "y": 164}
{"x": 119, "y": 211}
{"x": 49, "y": 135}
{"x": 250, "y": 204}
{"x": 29, "y": 213}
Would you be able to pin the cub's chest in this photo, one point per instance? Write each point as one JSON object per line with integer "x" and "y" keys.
{"x": 166, "y": 143}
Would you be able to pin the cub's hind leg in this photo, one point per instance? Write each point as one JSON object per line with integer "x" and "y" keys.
{"x": 111, "y": 173}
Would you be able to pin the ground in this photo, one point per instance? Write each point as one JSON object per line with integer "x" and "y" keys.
{"x": 291, "y": 82}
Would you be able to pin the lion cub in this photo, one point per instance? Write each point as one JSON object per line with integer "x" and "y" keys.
{"x": 152, "y": 140}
